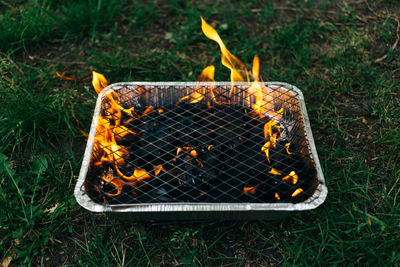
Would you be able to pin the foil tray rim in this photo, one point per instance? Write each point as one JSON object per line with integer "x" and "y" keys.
{"x": 312, "y": 202}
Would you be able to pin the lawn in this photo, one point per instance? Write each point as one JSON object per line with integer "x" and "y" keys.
{"x": 343, "y": 55}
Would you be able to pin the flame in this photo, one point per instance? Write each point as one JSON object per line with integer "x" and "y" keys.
{"x": 138, "y": 175}
{"x": 178, "y": 151}
{"x": 297, "y": 192}
{"x": 250, "y": 190}
{"x": 64, "y": 77}
{"x": 199, "y": 162}
{"x": 292, "y": 177}
{"x": 268, "y": 128}
{"x": 287, "y": 149}
{"x": 117, "y": 183}
{"x": 133, "y": 180}
{"x": 274, "y": 172}
{"x": 109, "y": 130}
{"x": 210, "y": 146}
{"x": 197, "y": 95}
{"x": 160, "y": 111}
{"x": 158, "y": 169}
{"x": 99, "y": 81}
{"x": 228, "y": 60}
{"x": 265, "y": 149}
{"x": 147, "y": 110}
{"x": 194, "y": 153}
{"x": 121, "y": 131}
{"x": 277, "y": 196}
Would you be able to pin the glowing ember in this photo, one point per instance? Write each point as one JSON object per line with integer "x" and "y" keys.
{"x": 277, "y": 196}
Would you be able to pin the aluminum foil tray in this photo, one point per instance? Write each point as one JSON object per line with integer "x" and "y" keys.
{"x": 162, "y": 93}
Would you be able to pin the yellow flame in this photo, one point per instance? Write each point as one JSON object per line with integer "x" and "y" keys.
{"x": 99, "y": 81}
{"x": 265, "y": 149}
{"x": 228, "y": 60}
{"x": 297, "y": 192}
{"x": 287, "y": 149}
{"x": 274, "y": 172}
{"x": 158, "y": 169}
{"x": 292, "y": 177}
{"x": 277, "y": 196}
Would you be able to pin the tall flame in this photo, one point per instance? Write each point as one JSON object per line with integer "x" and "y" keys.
{"x": 99, "y": 81}
{"x": 238, "y": 70}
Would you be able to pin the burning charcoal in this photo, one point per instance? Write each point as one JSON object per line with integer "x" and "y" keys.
{"x": 194, "y": 152}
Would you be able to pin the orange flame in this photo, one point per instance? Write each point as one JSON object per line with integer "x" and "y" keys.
{"x": 194, "y": 153}
{"x": 198, "y": 94}
{"x": 277, "y": 196}
{"x": 99, "y": 81}
{"x": 158, "y": 169}
{"x": 287, "y": 149}
{"x": 117, "y": 183}
{"x": 297, "y": 192}
{"x": 178, "y": 151}
{"x": 64, "y": 77}
{"x": 138, "y": 175}
{"x": 265, "y": 149}
{"x": 199, "y": 162}
{"x": 228, "y": 60}
{"x": 109, "y": 130}
{"x": 250, "y": 190}
{"x": 274, "y": 172}
{"x": 292, "y": 177}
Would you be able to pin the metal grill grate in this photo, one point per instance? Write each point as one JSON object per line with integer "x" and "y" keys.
{"x": 171, "y": 149}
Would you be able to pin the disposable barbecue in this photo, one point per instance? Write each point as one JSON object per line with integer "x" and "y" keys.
{"x": 205, "y": 146}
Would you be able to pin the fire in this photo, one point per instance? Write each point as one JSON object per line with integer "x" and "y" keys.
{"x": 274, "y": 172}
{"x": 110, "y": 131}
{"x": 297, "y": 192}
{"x": 250, "y": 190}
{"x": 198, "y": 94}
{"x": 287, "y": 149}
{"x": 265, "y": 149}
{"x": 158, "y": 169}
{"x": 64, "y": 77}
{"x": 238, "y": 70}
{"x": 99, "y": 81}
{"x": 292, "y": 177}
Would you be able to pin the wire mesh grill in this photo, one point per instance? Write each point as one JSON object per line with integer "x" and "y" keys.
{"x": 200, "y": 144}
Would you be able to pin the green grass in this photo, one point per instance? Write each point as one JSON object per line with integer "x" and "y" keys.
{"x": 328, "y": 50}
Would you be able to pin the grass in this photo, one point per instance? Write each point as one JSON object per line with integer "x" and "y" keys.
{"x": 330, "y": 50}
